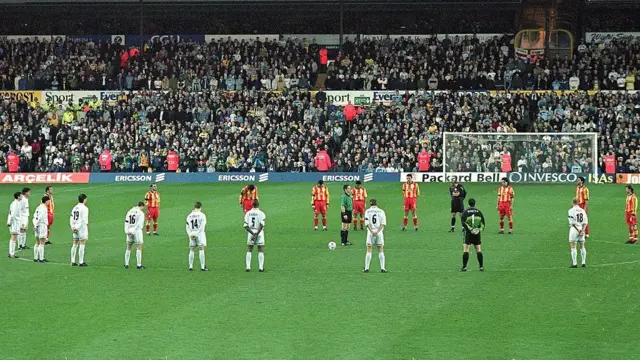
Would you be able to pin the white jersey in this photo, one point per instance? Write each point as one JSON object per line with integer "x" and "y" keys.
{"x": 24, "y": 210}
{"x": 375, "y": 218}
{"x": 14, "y": 221}
{"x": 253, "y": 219}
{"x": 41, "y": 222}
{"x": 196, "y": 222}
{"x": 79, "y": 219}
{"x": 134, "y": 220}
{"x": 577, "y": 219}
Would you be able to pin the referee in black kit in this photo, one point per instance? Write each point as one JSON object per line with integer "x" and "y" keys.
{"x": 472, "y": 226}
{"x": 458, "y": 193}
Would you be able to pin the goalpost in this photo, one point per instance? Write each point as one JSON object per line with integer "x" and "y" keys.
{"x": 530, "y": 152}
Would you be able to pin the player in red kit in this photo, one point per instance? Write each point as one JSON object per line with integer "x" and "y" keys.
{"x": 411, "y": 192}
{"x": 247, "y": 195}
{"x": 319, "y": 204}
{"x": 359, "y": 196}
{"x": 48, "y": 191}
{"x": 631, "y": 214}
{"x": 582, "y": 195}
{"x": 152, "y": 202}
{"x": 505, "y": 204}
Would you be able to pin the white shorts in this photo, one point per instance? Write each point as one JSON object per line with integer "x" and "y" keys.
{"x": 200, "y": 241}
{"x": 259, "y": 240}
{"x": 14, "y": 227}
{"x": 24, "y": 223}
{"x": 574, "y": 236}
{"x": 135, "y": 238}
{"x": 375, "y": 240}
{"x": 82, "y": 234}
{"x": 41, "y": 231}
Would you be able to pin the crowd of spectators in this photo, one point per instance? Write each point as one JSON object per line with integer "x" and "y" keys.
{"x": 282, "y": 131}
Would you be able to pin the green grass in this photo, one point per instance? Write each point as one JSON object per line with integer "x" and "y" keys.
{"x": 313, "y": 303}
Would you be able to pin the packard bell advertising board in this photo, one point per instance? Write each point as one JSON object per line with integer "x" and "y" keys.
{"x": 468, "y": 177}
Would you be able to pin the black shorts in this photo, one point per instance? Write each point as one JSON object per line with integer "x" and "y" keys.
{"x": 349, "y": 218}
{"x": 470, "y": 239}
{"x": 457, "y": 206}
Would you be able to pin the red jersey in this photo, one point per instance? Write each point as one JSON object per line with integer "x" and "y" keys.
{"x": 505, "y": 194}
{"x": 13, "y": 162}
{"x": 582, "y": 194}
{"x": 610, "y": 164}
{"x": 506, "y": 162}
{"x": 51, "y": 206}
{"x": 319, "y": 194}
{"x": 172, "y": 161}
{"x": 248, "y": 195}
{"x": 359, "y": 194}
{"x": 152, "y": 199}
{"x": 632, "y": 204}
{"x": 410, "y": 190}
{"x": 424, "y": 159}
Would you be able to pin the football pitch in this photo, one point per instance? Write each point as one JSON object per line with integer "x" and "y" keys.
{"x": 315, "y": 303}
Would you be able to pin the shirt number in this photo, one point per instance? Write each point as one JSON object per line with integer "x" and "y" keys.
{"x": 580, "y": 217}
{"x": 194, "y": 223}
{"x": 131, "y": 220}
{"x": 374, "y": 219}
{"x": 76, "y": 215}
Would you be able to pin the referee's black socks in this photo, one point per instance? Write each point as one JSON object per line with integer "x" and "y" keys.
{"x": 453, "y": 222}
{"x": 465, "y": 259}
{"x": 480, "y": 259}
{"x": 343, "y": 236}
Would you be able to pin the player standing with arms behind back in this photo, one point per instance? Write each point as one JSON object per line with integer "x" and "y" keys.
{"x": 254, "y": 225}
{"x": 411, "y": 192}
{"x": 375, "y": 220}
{"x": 578, "y": 222}
{"x": 24, "y": 219}
{"x": 458, "y": 193}
{"x": 196, "y": 223}
{"x": 79, "y": 222}
{"x": 472, "y": 225}
{"x": 133, "y": 223}
{"x": 13, "y": 223}
{"x": 48, "y": 191}
{"x": 359, "y": 195}
{"x": 505, "y": 204}
{"x": 152, "y": 201}
{"x": 40, "y": 228}
{"x": 631, "y": 212}
{"x": 247, "y": 195}
{"x": 582, "y": 195}
{"x": 319, "y": 204}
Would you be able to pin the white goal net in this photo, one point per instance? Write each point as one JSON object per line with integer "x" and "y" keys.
{"x": 520, "y": 152}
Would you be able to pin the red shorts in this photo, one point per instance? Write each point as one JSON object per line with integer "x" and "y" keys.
{"x": 50, "y": 218}
{"x": 153, "y": 213}
{"x": 504, "y": 209}
{"x": 247, "y": 205}
{"x": 584, "y": 207}
{"x": 320, "y": 207}
{"x": 632, "y": 220}
{"x": 358, "y": 207}
{"x": 410, "y": 204}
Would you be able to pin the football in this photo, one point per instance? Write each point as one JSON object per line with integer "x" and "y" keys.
{"x": 332, "y": 245}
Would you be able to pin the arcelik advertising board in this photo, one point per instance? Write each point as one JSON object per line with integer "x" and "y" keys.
{"x": 44, "y": 178}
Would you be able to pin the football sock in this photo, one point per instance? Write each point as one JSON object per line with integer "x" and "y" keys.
{"x": 501, "y": 225}
{"x": 23, "y": 239}
{"x": 74, "y": 248}
{"x": 343, "y": 238}
{"x": 20, "y": 237}
{"x": 247, "y": 260}
{"x": 415, "y": 221}
{"x": 346, "y": 235}
{"x": 465, "y": 259}
{"x": 383, "y": 266}
{"x": 148, "y": 227}
{"x": 315, "y": 222}
{"x": 261, "y": 260}
{"x": 574, "y": 256}
{"x": 510, "y": 224}
{"x": 324, "y": 222}
{"x": 586, "y": 230}
{"x": 480, "y": 259}
{"x": 453, "y": 222}
{"x": 355, "y": 223}
{"x": 127, "y": 256}
{"x": 81, "y": 253}
{"x": 405, "y": 221}
{"x": 12, "y": 247}
{"x": 155, "y": 227}
{"x": 367, "y": 261}
{"x": 203, "y": 263}
{"x": 36, "y": 252}
{"x": 361, "y": 224}
{"x": 191, "y": 256}
{"x": 583, "y": 254}
{"x": 41, "y": 252}
{"x": 139, "y": 257}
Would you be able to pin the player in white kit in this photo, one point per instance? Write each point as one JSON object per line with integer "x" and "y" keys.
{"x": 375, "y": 220}
{"x": 133, "y": 224}
{"x": 24, "y": 219}
{"x": 41, "y": 229}
{"x": 578, "y": 222}
{"x": 79, "y": 222}
{"x": 13, "y": 223}
{"x": 196, "y": 223}
{"x": 254, "y": 224}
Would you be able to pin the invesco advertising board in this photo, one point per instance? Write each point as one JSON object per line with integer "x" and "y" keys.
{"x": 560, "y": 178}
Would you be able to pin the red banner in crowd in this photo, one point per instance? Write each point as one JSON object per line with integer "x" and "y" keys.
{"x": 44, "y": 178}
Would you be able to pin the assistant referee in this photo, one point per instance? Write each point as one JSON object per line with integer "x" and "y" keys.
{"x": 346, "y": 213}
{"x": 472, "y": 224}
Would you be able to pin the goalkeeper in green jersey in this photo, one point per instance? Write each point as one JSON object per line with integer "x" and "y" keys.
{"x": 473, "y": 224}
